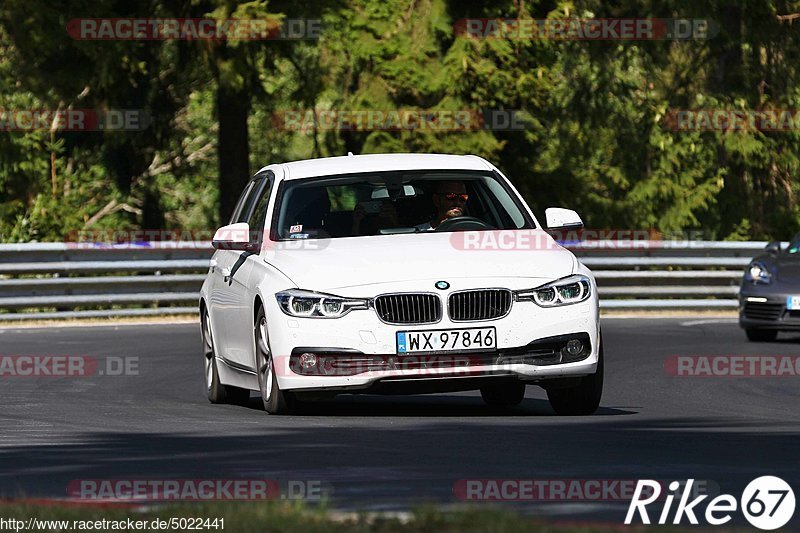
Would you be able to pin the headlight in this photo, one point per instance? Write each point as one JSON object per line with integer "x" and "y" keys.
{"x": 758, "y": 272}
{"x": 564, "y": 291}
{"x": 300, "y": 303}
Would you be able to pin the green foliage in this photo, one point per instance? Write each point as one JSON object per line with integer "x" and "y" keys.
{"x": 596, "y": 137}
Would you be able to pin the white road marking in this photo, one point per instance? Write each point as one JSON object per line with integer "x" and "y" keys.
{"x": 711, "y": 321}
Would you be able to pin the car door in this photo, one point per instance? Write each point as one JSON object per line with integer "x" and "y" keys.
{"x": 222, "y": 303}
{"x": 235, "y": 288}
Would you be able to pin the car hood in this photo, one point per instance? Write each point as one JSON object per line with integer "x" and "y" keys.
{"x": 328, "y": 264}
{"x": 785, "y": 267}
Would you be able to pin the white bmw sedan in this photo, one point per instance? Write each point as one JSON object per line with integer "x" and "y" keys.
{"x": 397, "y": 274}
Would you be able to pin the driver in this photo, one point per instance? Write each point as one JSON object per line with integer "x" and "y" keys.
{"x": 450, "y": 200}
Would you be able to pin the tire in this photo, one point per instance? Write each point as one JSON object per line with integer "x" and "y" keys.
{"x": 503, "y": 395}
{"x": 761, "y": 335}
{"x": 215, "y": 390}
{"x": 582, "y": 399}
{"x": 276, "y": 401}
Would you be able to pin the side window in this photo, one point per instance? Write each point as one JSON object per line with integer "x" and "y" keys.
{"x": 250, "y": 199}
{"x": 256, "y": 220}
{"x": 237, "y": 212}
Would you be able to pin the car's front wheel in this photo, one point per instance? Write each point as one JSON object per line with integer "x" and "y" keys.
{"x": 215, "y": 390}
{"x": 761, "y": 335}
{"x": 581, "y": 399}
{"x": 276, "y": 401}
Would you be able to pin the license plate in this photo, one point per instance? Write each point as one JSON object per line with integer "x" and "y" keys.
{"x": 792, "y": 302}
{"x": 446, "y": 340}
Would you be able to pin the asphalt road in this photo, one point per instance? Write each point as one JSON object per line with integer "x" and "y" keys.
{"x": 391, "y": 453}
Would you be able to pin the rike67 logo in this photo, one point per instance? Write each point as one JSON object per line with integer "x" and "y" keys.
{"x": 767, "y": 503}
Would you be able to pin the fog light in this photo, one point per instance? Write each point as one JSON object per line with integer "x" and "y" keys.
{"x": 308, "y": 361}
{"x": 574, "y": 347}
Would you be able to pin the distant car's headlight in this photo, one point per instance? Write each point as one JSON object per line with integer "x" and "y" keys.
{"x": 758, "y": 272}
{"x": 564, "y": 291}
{"x": 301, "y": 303}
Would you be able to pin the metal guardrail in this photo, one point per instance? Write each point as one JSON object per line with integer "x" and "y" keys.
{"x": 668, "y": 275}
{"x": 69, "y": 280}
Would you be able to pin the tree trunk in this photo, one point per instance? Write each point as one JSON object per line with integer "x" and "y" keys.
{"x": 152, "y": 214}
{"x": 233, "y": 107}
{"x": 729, "y": 77}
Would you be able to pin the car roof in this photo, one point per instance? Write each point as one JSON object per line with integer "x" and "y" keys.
{"x": 328, "y": 166}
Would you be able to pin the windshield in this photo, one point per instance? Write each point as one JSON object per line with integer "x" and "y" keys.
{"x": 386, "y": 203}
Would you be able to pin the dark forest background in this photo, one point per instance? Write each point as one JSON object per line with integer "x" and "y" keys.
{"x": 596, "y": 136}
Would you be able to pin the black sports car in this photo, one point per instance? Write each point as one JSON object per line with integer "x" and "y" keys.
{"x": 769, "y": 299}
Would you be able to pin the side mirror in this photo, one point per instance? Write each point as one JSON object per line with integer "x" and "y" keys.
{"x": 233, "y": 237}
{"x": 773, "y": 248}
{"x": 559, "y": 218}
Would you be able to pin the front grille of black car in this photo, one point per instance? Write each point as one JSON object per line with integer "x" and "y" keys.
{"x": 409, "y": 308}
{"x": 481, "y": 304}
{"x": 762, "y": 311}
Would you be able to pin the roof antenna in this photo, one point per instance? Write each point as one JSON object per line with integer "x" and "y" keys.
{"x": 349, "y": 154}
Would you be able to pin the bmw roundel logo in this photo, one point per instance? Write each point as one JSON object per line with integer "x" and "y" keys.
{"x": 442, "y": 285}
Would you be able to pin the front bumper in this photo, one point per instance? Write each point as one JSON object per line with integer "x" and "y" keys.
{"x": 764, "y": 306}
{"x": 362, "y": 335}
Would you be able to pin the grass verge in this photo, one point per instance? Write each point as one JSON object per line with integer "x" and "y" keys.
{"x": 260, "y": 517}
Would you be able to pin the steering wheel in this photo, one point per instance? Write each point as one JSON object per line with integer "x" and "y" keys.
{"x": 463, "y": 223}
